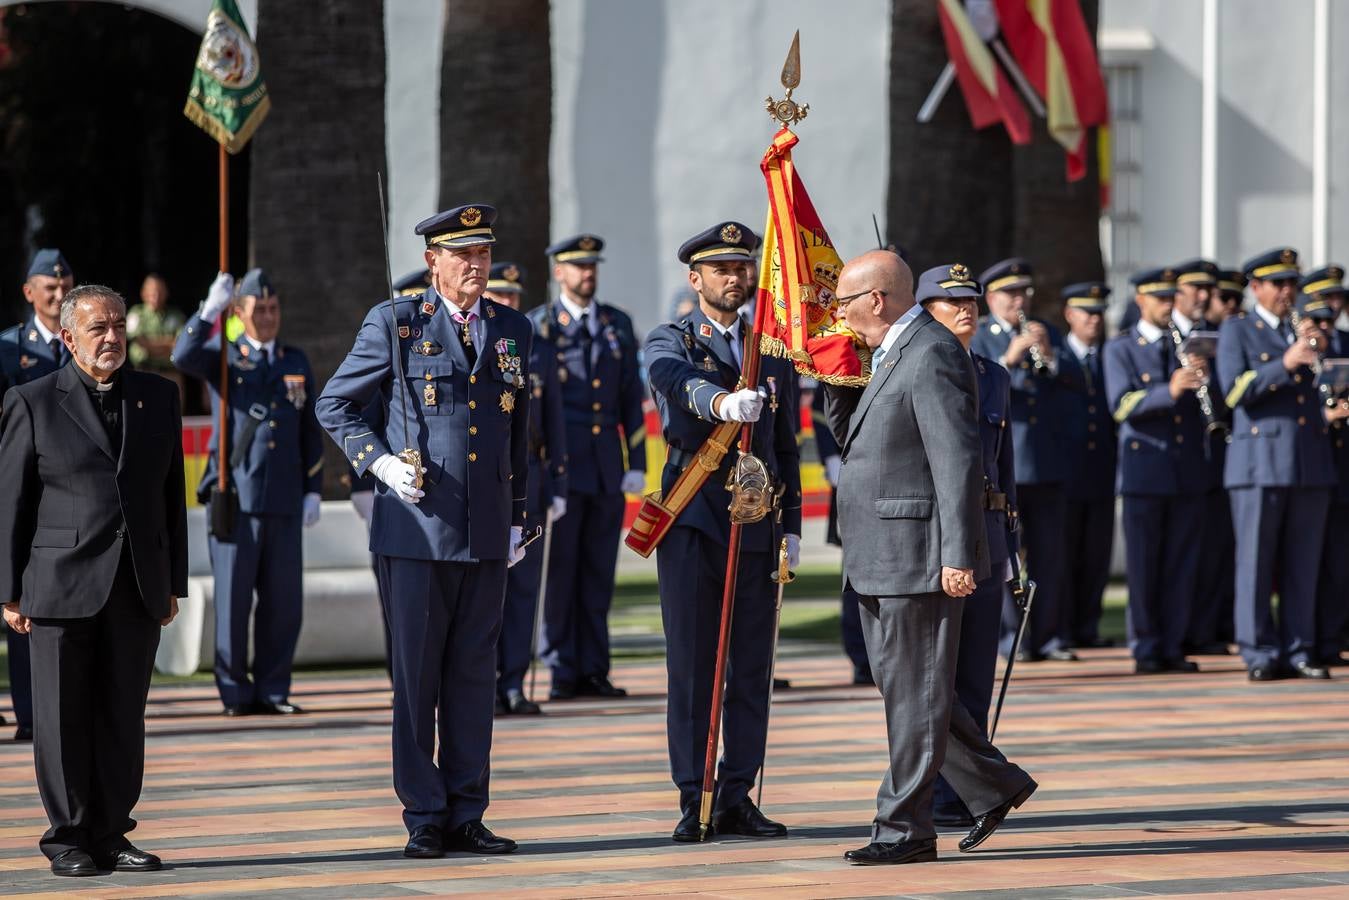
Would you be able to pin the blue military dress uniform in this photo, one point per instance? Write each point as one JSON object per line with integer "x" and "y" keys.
{"x": 275, "y": 454}
{"x": 443, "y": 559}
{"x": 1279, "y": 474}
{"x": 1089, "y": 485}
{"x": 689, "y": 363}
{"x": 601, "y": 388}
{"x": 1163, "y": 476}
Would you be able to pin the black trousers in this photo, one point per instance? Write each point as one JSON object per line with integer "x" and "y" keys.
{"x": 1088, "y": 534}
{"x": 91, "y": 677}
{"x": 1042, "y": 532}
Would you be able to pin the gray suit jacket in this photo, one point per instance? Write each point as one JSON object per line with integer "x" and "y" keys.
{"x": 910, "y": 491}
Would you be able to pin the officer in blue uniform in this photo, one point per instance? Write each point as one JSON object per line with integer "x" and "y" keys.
{"x": 1323, "y": 295}
{"x": 695, "y": 366}
{"x": 596, "y": 360}
{"x": 1089, "y": 488}
{"x": 448, "y": 522}
{"x": 1279, "y": 472}
{"x": 1229, "y": 296}
{"x": 1031, "y": 351}
{"x": 28, "y": 351}
{"x": 275, "y": 455}
{"x": 952, "y": 297}
{"x": 547, "y": 501}
{"x": 1163, "y": 473}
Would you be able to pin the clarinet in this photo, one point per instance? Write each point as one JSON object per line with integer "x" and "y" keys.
{"x": 1038, "y": 362}
{"x": 1211, "y": 421}
{"x": 1295, "y": 320}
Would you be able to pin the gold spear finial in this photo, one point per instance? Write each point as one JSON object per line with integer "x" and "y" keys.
{"x": 788, "y": 111}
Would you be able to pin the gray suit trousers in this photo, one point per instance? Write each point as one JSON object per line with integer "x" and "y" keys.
{"x": 913, "y": 643}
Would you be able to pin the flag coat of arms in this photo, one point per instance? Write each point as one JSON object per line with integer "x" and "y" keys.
{"x": 228, "y": 98}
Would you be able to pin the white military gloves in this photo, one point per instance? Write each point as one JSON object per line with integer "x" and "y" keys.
{"x": 517, "y": 552}
{"x": 634, "y": 482}
{"x": 399, "y": 476}
{"x": 557, "y": 509}
{"x": 793, "y": 551}
{"x": 313, "y": 505}
{"x": 218, "y": 297}
{"x": 744, "y": 405}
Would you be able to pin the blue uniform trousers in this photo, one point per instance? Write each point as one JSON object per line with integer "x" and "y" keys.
{"x": 1162, "y": 537}
{"x": 581, "y": 587}
{"x": 692, "y": 568}
{"x": 1279, "y": 531}
{"x": 1089, "y": 532}
{"x": 445, "y": 618}
{"x": 266, "y": 556}
{"x": 20, "y": 677}
{"x": 522, "y": 600}
{"x": 1211, "y": 616}
{"x": 1042, "y": 531}
{"x": 1332, "y": 593}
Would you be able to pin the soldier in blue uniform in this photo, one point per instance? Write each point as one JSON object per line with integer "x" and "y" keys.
{"x": 547, "y": 501}
{"x": 596, "y": 360}
{"x": 28, "y": 351}
{"x": 275, "y": 455}
{"x": 1089, "y": 488}
{"x": 1228, "y": 298}
{"x": 1030, "y": 351}
{"x": 1279, "y": 472}
{"x": 1163, "y": 473}
{"x": 952, "y": 297}
{"x": 447, "y": 524}
{"x": 695, "y": 367}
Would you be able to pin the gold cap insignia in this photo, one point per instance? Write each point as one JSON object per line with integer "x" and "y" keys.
{"x": 586, "y": 243}
{"x": 59, "y": 270}
{"x": 1168, "y": 275}
{"x": 1095, "y": 291}
{"x": 511, "y": 273}
{"x": 1289, "y": 255}
{"x": 1016, "y": 268}
{"x": 730, "y": 234}
{"x": 959, "y": 272}
{"x": 470, "y": 217}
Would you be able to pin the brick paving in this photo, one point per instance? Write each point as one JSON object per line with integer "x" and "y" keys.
{"x": 1177, "y": 785}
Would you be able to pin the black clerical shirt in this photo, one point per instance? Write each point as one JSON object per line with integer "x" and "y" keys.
{"x": 107, "y": 400}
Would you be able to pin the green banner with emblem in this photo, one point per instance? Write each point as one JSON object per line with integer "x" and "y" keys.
{"x": 228, "y": 98}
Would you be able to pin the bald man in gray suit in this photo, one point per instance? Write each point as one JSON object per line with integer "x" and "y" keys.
{"x": 910, "y": 513}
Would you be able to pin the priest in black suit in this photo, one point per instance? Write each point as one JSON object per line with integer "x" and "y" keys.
{"x": 93, "y": 556}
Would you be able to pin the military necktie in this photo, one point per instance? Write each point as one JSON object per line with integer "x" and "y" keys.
{"x": 465, "y": 321}
{"x": 732, "y": 346}
{"x": 56, "y": 347}
{"x": 587, "y": 339}
{"x": 1088, "y": 366}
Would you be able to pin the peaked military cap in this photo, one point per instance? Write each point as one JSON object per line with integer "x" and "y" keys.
{"x": 1196, "y": 271}
{"x": 952, "y": 281}
{"x": 580, "y": 249}
{"x": 413, "y": 282}
{"x": 50, "y": 262}
{"x": 505, "y": 278}
{"x": 723, "y": 241}
{"x": 1315, "y": 306}
{"x": 1279, "y": 264}
{"x": 1008, "y": 275}
{"x": 255, "y": 283}
{"x": 1230, "y": 281}
{"x": 1155, "y": 282}
{"x": 1325, "y": 280}
{"x": 1089, "y": 296}
{"x": 463, "y": 226}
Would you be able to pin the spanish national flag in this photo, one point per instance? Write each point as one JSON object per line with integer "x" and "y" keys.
{"x": 989, "y": 96}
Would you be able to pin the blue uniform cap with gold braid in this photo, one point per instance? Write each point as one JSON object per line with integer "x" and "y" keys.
{"x": 1088, "y": 296}
{"x": 1230, "y": 281}
{"x": 50, "y": 262}
{"x": 1315, "y": 306}
{"x": 255, "y": 283}
{"x": 463, "y": 226}
{"x": 505, "y": 278}
{"x": 581, "y": 249}
{"x": 725, "y": 241}
{"x": 1325, "y": 280}
{"x": 1196, "y": 271}
{"x": 413, "y": 282}
{"x": 1155, "y": 282}
{"x": 952, "y": 281}
{"x": 1011, "y": 274}
{"x": 1279, "y": 264}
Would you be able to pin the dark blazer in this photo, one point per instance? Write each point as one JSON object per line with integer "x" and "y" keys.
{"x": 71, "y": 499}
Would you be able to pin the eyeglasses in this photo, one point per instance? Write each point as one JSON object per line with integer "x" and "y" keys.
{"x": 844, "y": 301}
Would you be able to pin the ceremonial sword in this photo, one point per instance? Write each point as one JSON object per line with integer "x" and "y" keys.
{"x": 783, "y": 576}
{"x": 1023, "y": 595}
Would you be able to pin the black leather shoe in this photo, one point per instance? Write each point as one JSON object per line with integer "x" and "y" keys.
{"x": 130, "y": 859}
{"x": 598, "y": 686}
{"x": 781, "y": 684}
{"x": 475, "y": 837}
{"x": 425, "y": 842}
{"x": 745, "y": 819}
{"x": 1262, "y": 673}
{"x": 562, "y": 690}
{"x": 863, "y": 677}
{"x": 1061, "y": 655}
{"x": 1029, "y": 656}
{"x": 687, "y": 831}
{"x": 279, "y": 708}
{"x": 518, "y": 704}
{"x": 74, "y": 864}
{"x": 1307, "y": 670}
{"x": 233, "y": 711}
{"x": 985, "y": 825}
{"x": 23, "y": 734}
{"x": 1180, "y": 665}
{"x": 884, "y": 854}
{"x": 1148, "y": 666}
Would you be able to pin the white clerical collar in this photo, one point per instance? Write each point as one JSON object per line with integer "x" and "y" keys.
{"x": 1149, "y": 331}
{"x": 1271, "y": 320}
{"x": 269, "y": 347}
{"x": 1080, "y": 348}
{"x": 42, "y": 330}
{"x": 576, "y": 311}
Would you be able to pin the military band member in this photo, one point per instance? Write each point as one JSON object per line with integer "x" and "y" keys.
{"x": 596, "y": 362}
{"x": 275, "y": 457}
{"x": 1279, "y": 472}
{"x": 547, "y": 501}
{"x": 695, "y": 366}
{"x": 1089, "y": 488}
{"x": 447, "y": 524}
{"x": 1029, "y": 350}
{"x": 1227, "y": 300}
{"x": 28, "y": 351}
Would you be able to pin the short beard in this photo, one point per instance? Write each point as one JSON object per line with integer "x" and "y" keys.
{"x": 724, "y": 303}
{"x": 90, "y": 361}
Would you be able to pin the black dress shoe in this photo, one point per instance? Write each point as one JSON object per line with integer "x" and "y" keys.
{"x": 233, "y": 711}
{"x": 781, "y": 684}
{"x": 688, "y": 831}
{"x": 863, "y": 677}
{"x": 883, "y": 854}
{"x": 1148, "y": 666}
{"x": 745, "y": 819}
{"x": 1180, "y": 665}
{"x": 520, "y": 705}
{"x": 1029, "y": 656}
{"x": 475, "y": 837}
{"x": 562, "y": 690}
{"x": 278, "y": 708}
{"x": 75, "y": 864}
{"x": 425, "y": 842}
{"x": 130, "y": 859}
{"x": 1061, "y": 655}
{"x": 1262, "y": 673}
{"x": 23, "y": 734}
{"x": 598, "y": 686}
{"x": 985, "y": 825}
{"x": 1307, "y": 670}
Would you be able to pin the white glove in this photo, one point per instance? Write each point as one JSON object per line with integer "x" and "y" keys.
{"x": 313, "y": 504}
{"x": 364, "y": 503}
{"x": 793, "y": 551}
{"x": 399, "y": 476}
{"x": 557, "y": 509}
{"x": 831, "y": 466}
{"x": 517, "y": 552}
{"x": 218, "y": 297}
{"x": 634, "y": 482}
{"x": 743, "y": 406}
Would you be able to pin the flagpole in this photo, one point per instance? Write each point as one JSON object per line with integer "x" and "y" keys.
{"x": 224, "y": 260}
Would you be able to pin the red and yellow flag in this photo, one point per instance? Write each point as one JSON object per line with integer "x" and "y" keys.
{"x": 797, "y": 314}
{"x": 989, "y": 96}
